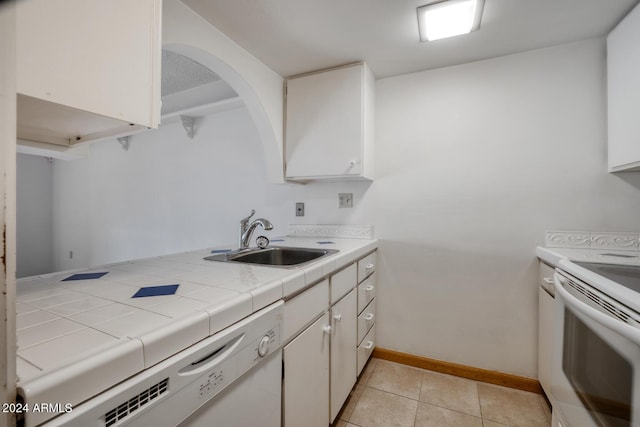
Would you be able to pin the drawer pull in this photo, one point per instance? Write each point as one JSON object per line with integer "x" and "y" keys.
{"x": 548, "y": 280}
{"x": 327, "y": 329}
{"x": 368, "y": 288}
{"x": 368, "y": 267}
{"x": 369, "y": 345}
{"x": 368, "y": 317}
{"x": 337, "y": 317}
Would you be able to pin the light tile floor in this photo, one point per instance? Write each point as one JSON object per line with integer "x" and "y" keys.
{"x": 389, "y": 394}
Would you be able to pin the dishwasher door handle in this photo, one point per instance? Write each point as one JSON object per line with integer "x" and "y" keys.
{"x": 211, "y": 359}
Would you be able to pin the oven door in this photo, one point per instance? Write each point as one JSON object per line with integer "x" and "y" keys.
{"x": 596, "y": 358}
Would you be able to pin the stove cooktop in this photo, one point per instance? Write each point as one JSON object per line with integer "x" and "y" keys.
{"x": 625, "y": 275}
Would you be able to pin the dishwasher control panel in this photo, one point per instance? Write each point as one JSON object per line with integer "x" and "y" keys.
{"x": 214, "y": 382}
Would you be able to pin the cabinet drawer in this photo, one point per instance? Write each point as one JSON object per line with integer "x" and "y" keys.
{"x": 366, "y": 320}
{"x": 366, "y": 292}
{"x": 302, "y": 309}
{"x": 342, "y": 282}
{"x": 366, "y": 348}
{"x": 366, "y": 266}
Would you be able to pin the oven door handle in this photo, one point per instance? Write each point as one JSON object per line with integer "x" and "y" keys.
{"x": 605, "y": 320}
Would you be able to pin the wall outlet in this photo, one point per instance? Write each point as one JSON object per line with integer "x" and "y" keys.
{"x": 345, "y": 200}
{"x": 299, "y": 209}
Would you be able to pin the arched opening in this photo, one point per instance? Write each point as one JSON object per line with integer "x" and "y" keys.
{"x": 271, "y": 147}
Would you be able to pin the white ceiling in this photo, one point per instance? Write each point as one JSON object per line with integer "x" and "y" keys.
{"x": 296, "y": 36}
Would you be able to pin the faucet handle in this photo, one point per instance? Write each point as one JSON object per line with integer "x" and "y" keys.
{"x": 246, "y": 220}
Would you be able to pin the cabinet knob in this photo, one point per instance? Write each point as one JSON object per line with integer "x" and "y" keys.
{"x": 352, "y": 163}
{"x": 337, "y": 317}
{"x": 368, "y": 317}
{"x": 327, "y": 329}
{"x": 369, "y": 345}
{"x": 369, "y": 288}
{"x": 368, "y": 268}
{"x": 548, "y": 280}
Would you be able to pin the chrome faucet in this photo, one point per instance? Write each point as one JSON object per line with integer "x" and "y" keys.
{"x": 246, "y": 228}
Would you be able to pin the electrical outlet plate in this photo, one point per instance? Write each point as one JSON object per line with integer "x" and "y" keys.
{"x": 299, "y": 209}
{"x": 345, "y": 200}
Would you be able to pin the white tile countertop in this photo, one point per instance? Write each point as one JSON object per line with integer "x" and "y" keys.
{"x": 77, "y": 338}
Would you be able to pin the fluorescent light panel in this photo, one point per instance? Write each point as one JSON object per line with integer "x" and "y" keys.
{"x": 449, "y": 18}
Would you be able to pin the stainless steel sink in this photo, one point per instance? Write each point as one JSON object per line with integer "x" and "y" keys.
{"x": 275, "y": 256}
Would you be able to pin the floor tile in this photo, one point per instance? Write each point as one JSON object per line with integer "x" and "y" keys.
{"x": 366, "y": 371}
{"x": 351, "y": 402}
{"x": 450, "y": 392}
{"x": 546, "y": 408}
{"x": 396, "y": 378}
{"x": 514, "y": 408}
{"x": 435, "y": 416}
{"x": 377, "y": 408}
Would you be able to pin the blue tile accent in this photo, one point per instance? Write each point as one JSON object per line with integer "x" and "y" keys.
{"x": 220, "y": 251}
{"x": 85, "y": 276}
{"x": 152, "y": 291}
{"x": 326, "y": 243}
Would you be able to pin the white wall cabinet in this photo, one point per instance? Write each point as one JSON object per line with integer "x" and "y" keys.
{"x": 330, "y": 124}
{"x": 87, "y": 69}
{"x": 321, "y": 354}
{"x": 623, "y": 93}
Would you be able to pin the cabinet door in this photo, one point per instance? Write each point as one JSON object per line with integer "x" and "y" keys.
{"x": 623, "y": 92}
{"x": 306, "y": 377}
{"x": 324, "y": 127}
{"x": 96, "y": 56}
{"x": 344, "y": 322}
{"x": 545, "y": 340}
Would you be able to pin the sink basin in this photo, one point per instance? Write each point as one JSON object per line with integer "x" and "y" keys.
{"x": 276, "y": 256}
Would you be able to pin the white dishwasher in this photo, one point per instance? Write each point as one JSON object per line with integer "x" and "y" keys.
{"x": 231, "y": 379}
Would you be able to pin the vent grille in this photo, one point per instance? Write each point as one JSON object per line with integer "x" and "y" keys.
{"x": 135, "y": 403}
{"x": 602, "y": 303}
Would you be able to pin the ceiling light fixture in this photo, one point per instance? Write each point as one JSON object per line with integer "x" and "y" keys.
{"x": 448, "y": 18}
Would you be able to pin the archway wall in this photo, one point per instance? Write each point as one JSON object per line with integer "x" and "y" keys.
{"x": 261, "y": 88}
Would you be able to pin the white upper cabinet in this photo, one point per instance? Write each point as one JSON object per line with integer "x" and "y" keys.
{"x": 330, "y": 124}
{"x": 623, "y": 85}
{"x": 87, "y": 69}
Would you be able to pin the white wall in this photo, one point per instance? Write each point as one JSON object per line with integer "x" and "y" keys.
{"x": 34, "y": 215}
{"x": 169, "y": 193}
{"x": 474, "y": 163}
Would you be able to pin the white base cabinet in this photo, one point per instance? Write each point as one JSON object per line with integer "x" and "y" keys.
{"x": 366, "y": 310}
{"x": 306, "y": 378}
{"x": 325, "y": 350}
{"x": 344, "y": 324}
